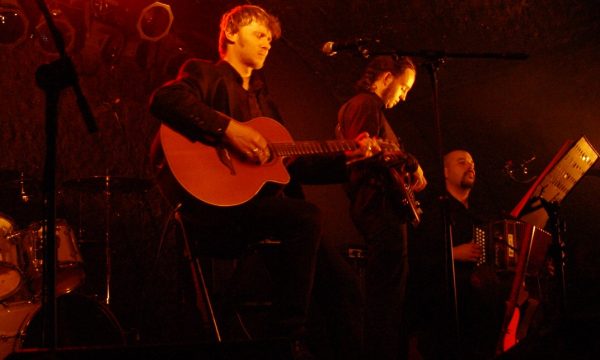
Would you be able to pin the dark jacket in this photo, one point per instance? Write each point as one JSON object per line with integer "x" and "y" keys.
{"x": 370, "y": 189}
{"x": 204, "y": 98}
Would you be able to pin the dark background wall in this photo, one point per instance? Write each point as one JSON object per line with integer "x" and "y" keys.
{"x": 497, "y": 109}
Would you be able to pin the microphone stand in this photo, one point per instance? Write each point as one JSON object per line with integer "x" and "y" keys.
{"x": 557, "y": 249}
{"x": 52, "y": 78}
{"x": 432, "y": 61}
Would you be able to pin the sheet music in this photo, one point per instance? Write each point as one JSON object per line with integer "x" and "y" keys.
{"x": 556, "y": 181}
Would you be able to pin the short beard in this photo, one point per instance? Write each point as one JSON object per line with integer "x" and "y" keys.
{"x": 466, "y": 184}
{"x": 385, "y": 93}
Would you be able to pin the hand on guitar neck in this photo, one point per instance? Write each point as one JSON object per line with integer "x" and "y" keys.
{"x": 409, "y": 164}
{"x": 367, "y": 148}
{"x": 408, "y": 180}
{"x": 419, "y": 182}
{"x": 251, "y": 143}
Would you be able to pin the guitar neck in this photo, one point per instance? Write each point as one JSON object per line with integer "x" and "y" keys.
{"x": 300, "y": 148}
{"x": 312, "y": 147}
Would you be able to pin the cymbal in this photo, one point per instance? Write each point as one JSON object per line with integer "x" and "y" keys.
{"x": 102, "y": 183}
{"x": 26, "y": 183}
{"x": 13, "y": 178}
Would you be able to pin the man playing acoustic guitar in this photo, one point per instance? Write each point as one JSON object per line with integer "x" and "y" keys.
{"x": 211, "y": 104}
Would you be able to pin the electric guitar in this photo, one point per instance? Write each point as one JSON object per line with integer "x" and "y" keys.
{"x": 218, "y": 176}
{"x": 402, "y": 180}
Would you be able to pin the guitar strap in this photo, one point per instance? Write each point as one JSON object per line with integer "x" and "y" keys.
{"x": 339, "y": 134}
{"x": 385, "y": 132}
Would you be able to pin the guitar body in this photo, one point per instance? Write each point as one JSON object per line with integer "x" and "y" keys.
{"x": 201, "y": 171}
{"x": 408, "y": 197}
{"x": 510, "y": 336}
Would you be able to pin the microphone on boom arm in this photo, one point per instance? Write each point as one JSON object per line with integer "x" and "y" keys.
{"x": 356, "y": 45}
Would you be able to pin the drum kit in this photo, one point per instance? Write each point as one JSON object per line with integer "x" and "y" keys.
{"x": 21, "y": 258}
{"x": 21, "y": 262}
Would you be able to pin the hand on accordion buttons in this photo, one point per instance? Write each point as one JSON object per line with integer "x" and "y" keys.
{"x": 467, "y": 252}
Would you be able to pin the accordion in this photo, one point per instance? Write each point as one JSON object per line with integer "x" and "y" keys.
{"x": 502, "y": 241}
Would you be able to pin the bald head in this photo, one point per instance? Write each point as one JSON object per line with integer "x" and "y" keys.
{"x": 459, "y": 171}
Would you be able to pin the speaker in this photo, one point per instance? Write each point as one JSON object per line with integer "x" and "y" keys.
{"x": 263, "y": 350}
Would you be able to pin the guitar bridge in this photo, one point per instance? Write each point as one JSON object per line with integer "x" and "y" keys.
{"x": 225, "y": 158}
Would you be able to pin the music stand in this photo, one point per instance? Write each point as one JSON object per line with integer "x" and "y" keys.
{"x": 568, "y": 166}
{"x": 542, "y": 203}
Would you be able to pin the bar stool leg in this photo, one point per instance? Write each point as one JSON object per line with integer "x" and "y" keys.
{"x": 203, "y": 300}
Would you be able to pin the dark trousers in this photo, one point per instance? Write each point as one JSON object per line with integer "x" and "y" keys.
{"x": 386, "y": 334}
{"x": 338, "y": 305}
{"x": 227, "y": 232}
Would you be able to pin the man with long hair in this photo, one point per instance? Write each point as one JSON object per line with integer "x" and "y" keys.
{"x": 375, "y": 210}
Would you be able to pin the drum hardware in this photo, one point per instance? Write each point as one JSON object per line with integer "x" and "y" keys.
{"x": 24, "y": 185}
{"x": 20, "y": 196}
{"x": 18, "y": 181}
{"x": 11, "y": 277}
{"x": 22, "y": 259}
{"x": 82, "y": 321}
{"x": 107, "y": 185}
{"x": 69, "y": 263}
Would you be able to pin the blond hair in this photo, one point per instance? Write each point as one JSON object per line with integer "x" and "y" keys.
{"x": 242, "y": 15}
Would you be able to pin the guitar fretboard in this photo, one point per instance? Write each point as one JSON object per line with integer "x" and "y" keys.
{"x": 311, "y": 147}
{"x": 320, "y": 147}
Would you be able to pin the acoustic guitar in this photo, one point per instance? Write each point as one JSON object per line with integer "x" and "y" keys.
{"x": 218, "y": 176}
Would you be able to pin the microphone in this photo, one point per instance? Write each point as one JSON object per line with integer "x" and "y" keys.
{"x": 519, "y": 172}
{"x": 331, "y": 48}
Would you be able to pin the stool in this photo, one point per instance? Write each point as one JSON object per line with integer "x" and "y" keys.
{"x": 203, "y": 298}
{"x": 244, "y": 288}
{"x": 205, "y": 291}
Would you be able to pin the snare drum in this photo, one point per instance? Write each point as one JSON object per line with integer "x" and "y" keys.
{"x": 69, "y": 264}
{"x": 10, "y": 273}
{"x": 80, "y": 321}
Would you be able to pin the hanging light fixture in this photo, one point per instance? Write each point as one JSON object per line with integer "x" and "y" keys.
{"x": 13, "y": 23}
{"x": 154, "y": 21}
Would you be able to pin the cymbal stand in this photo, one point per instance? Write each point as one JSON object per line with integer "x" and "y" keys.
{"x": 107, "y": 244}
{"x": 107, "y": 191}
